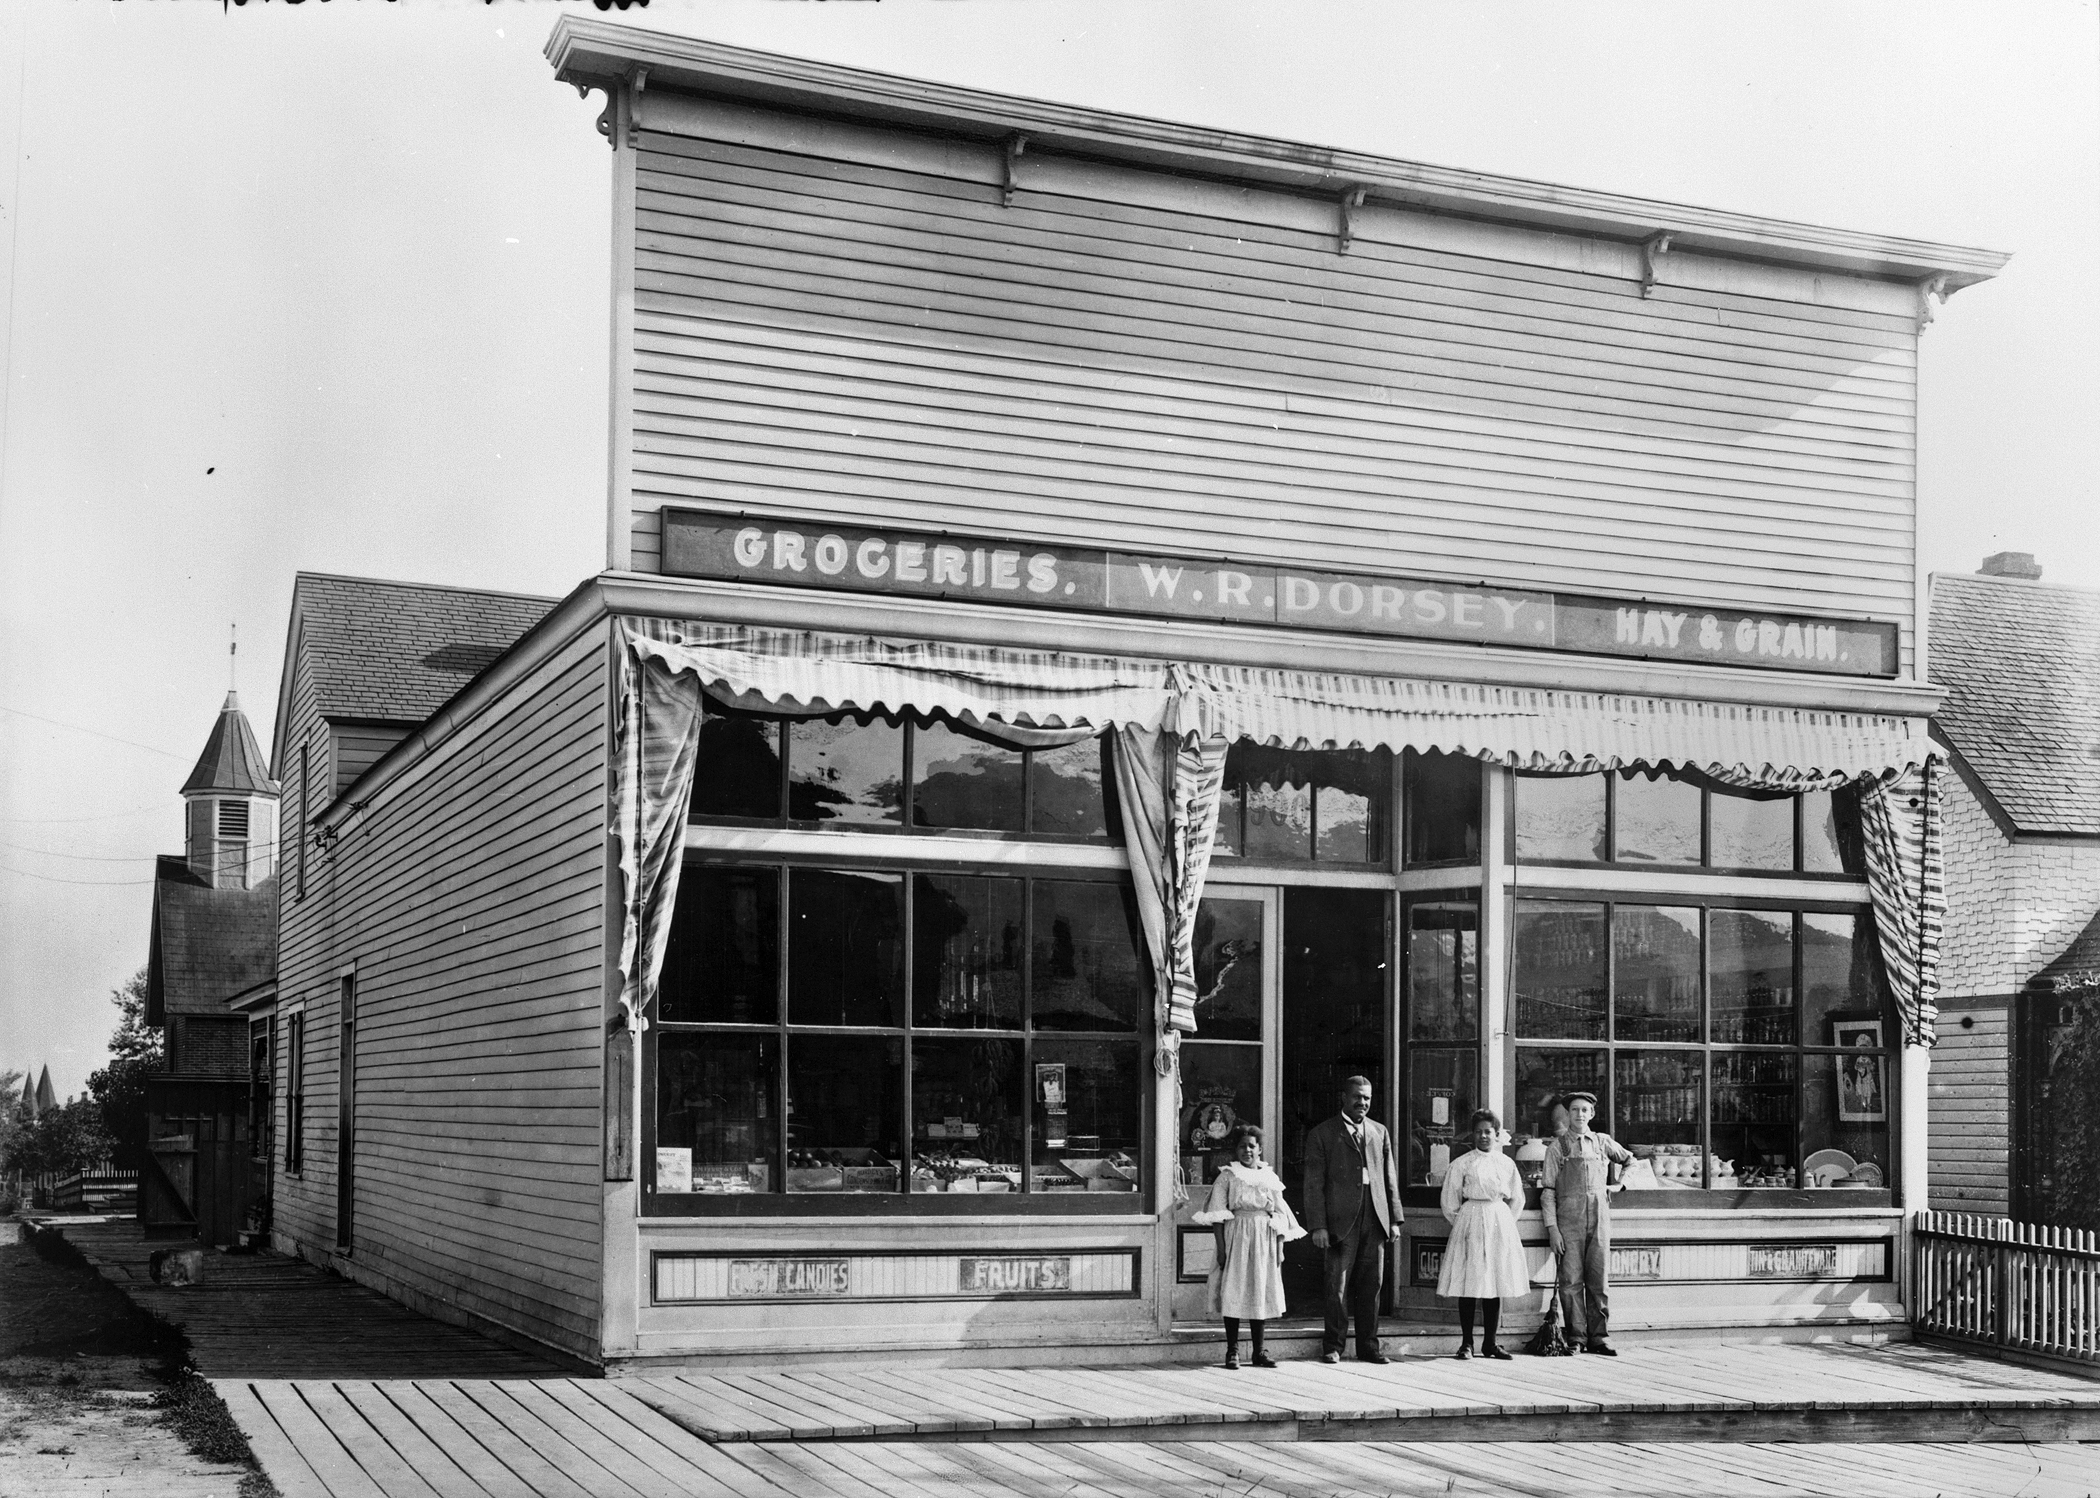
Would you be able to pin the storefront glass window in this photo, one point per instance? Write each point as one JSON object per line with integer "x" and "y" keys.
{"x": 882, "y": 1097}
{"x": 1739, "y": 1109}
{"x": 1066, "y": 789}
{"x": 1655, "y": 819}
{"x": 845, "y": 1106}
{"x": 1086, "y": 972}
{"x": 738, "y": 774}
{"x": 1443, "y": 971}
{"x": 1656, "y": 1110}
{"x": 960, "y": 781}
{"x": 1547, "y": 1074}
{"x": 966, "y": 1114}
{"x": 1559, "y": 970}
{"x": 1231, "y": 840}
{"x": 716, "y": 1113}
{"x": 1279, "y": 821}
{"x": 1289, "y": 806}
{"x": 722, "y": 963}
{"x": 1753, "y": 976}
{"x": 1442, "y": 1083}
{"x": 1228, "y": 957}
{"x": 846, "y": 769}
{"x": 845, "y": 948}
{"x": 1220, "y": 1087}
{"x": 1755, "y": 1111}
{"x": 966, "y": 952}
{"x": 1845, "y": 1112}
{"x": 1085, "y": 1100}
{"x": 1744, "y": 832}
{"x": 1655, "y": 972}
{"x": 1443, "y": 808}
{"x": 1830, "y": 837}
{"x": 1839, "y": 976}
{"x": 1560, "y": 818}
{"x": 1342, "y": 826}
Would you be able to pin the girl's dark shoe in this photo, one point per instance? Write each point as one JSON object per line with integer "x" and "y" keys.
{"x": 1492, "y": 1351}
{"x": 1232, "y": 1361}
{"x": 1263, "y": 1360}
{"x": 1463, "y": 1353}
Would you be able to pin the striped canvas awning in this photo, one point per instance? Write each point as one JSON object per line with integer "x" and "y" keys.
{"x": 1525, "y": 727}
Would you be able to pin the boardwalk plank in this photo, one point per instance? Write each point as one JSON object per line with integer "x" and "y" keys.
{"x": 518, "y": 1455}
{"x": 432, "y": 1463}
{"x": 929, "y": 1412}
{"x": 721, "y": 1413}
{"x": 326, "y": 1455}
{"x": 279, "y": 1455}
{"x": 601, "y": 1465}
{"x": 454, "y": 1440}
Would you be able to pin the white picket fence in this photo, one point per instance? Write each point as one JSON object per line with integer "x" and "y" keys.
{"x": 2016, "y": 1285}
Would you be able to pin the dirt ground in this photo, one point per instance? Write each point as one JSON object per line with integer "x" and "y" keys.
{"x": 85, "y": 1392}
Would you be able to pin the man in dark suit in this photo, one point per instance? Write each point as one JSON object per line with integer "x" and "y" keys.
{"x": 1352, "y": 1204}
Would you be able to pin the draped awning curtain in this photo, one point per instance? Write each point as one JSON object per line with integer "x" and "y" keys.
{"x": 1173, "y": 722}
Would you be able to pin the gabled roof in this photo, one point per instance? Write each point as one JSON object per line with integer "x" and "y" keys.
{"x": 2079, "y": 961}
{"x": 2021, "y": 664}
{"x": 388, "y": 652}
{"x": 232, "y": 760}
{"x": 207, "y": 944}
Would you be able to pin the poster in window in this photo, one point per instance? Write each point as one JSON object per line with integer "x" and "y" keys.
{"x": 1862, "y": 1082}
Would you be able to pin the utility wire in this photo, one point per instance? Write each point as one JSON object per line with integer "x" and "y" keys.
{"x": 106, "y": 816}
{"x": 77, "y": 857}
{"x": 96, "y": 732}
{"x": 93, "y": 883}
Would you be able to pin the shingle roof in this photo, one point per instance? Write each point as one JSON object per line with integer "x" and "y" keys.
{"x": 232, "y": 760}
{"x": 2080, "y": 960}
{"x": 207, "y": 944}
{"x": 397, "y": 652}
{"x": 2021, "y": 662}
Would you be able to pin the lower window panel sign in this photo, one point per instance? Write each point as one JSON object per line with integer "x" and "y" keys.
{"x": 731, "y": 1278}
{"x": 1867, "y": 1259}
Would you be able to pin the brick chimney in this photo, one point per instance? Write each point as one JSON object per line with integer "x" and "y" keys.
{"x": 2011, "y": 564}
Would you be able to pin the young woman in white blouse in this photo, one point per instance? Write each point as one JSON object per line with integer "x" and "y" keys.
{"x": 1484, "y": 1261}
{"x": 1253, "y": 1221}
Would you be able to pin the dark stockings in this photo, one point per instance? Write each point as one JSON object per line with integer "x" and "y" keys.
{"x": 1490, "y": 1317}
{"x": 1232, "y": 1336}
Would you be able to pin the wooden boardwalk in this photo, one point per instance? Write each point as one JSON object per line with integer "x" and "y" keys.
{"x": 586, "y": 1438}
{"x": 268, "y": 1316}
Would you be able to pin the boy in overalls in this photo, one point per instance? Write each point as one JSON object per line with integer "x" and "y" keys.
{"x": 1575, "y": 1184}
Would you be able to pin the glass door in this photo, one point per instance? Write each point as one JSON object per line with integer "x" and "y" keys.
{"x": 1441, "y": 1033}
{"x": 1228, "y": 1066}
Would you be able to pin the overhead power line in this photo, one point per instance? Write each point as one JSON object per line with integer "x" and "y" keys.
{"x": 95, "y": 732}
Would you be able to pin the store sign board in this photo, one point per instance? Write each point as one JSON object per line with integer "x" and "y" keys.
{"x": 1794, "y": 1261}
{"x": 1014, "y": 1275}
{"x": 793, "y": 1279}
{"x": 1636, "y": 1263}
{"x": 989, "y": 570}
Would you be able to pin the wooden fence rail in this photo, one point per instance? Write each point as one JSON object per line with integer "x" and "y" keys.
{"x": 2017, "y": 1285}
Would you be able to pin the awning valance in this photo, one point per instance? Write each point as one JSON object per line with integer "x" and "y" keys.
{"x": 1534, "y": 728}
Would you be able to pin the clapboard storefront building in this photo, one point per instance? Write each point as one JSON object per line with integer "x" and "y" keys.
{"x": 1108, "y": 629}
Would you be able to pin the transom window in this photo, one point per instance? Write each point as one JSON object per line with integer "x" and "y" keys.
{"x": 1654, "y": 818}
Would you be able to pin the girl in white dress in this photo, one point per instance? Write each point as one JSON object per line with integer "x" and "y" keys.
{"x": 1484, "y": 1261}
{"x": 1253, "y": 1221}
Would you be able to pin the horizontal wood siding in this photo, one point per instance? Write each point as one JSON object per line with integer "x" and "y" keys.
{"x": 470, "y": 896}
{"x": 358, "y": 747}
{"x": 1969, "y": 1112}
{"x": 878, "y": 340}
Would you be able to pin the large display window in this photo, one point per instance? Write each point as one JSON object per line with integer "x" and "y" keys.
{"x": 862, "y": 1035}
{"x": 1653, "y": 818}
{"x": 1733, "y": 1046}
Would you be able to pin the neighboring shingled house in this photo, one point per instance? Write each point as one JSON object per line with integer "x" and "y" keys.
{"x": 2021, "y": 664}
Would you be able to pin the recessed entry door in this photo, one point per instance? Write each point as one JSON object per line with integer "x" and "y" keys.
{"x": 1229, "y": 1066}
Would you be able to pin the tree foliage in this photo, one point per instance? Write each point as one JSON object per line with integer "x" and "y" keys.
{"x": 59, "y": 1141}
{"x": 136, "y": 1051}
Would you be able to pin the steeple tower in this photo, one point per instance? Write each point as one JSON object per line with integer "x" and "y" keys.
{"x": 232, "y": 806}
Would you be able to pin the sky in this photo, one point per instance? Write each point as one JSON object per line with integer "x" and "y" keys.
{"x": 325, "y": 286}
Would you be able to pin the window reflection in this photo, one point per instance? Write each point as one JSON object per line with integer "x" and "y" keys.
{"x": 1755, "y": 1112}
{"x": 1656, "y": 1111}
{"x": 845, "y": 948}
{"x": 1279, "y": 821}
{"x": 1560, "y": 818}
{"x": 722, "y": 963}
{"x": 1559, "y": 966}
{"x": 1441, "y": 1087}
{"x": 715, "y": 1113}
{"x": 1655, "y": 952}
{"x": 959, "y": 781}
{"x": 738, "y": 770}
{"x": 1086, "y": 971}
{"x": 1838, "y": 973}
{"x": 1657, "y": 819}
{"x": 1546, "y": 1075}
{"x": 1220, "y": 1088}
{"x": 1830, "y": 836}
{"x": 1068, "y": 789}
{"x": 1085, "y": 1101}
{"x": 846, "y": 769}
{"x": 1753, "y": 976}
{"x": 1747, "y": 833}
{"x": 1228, "y": 953}
{"x": 1443, "y": 808}
{"x": 1443, "y": 971}
{"x": 966, "y": 952}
